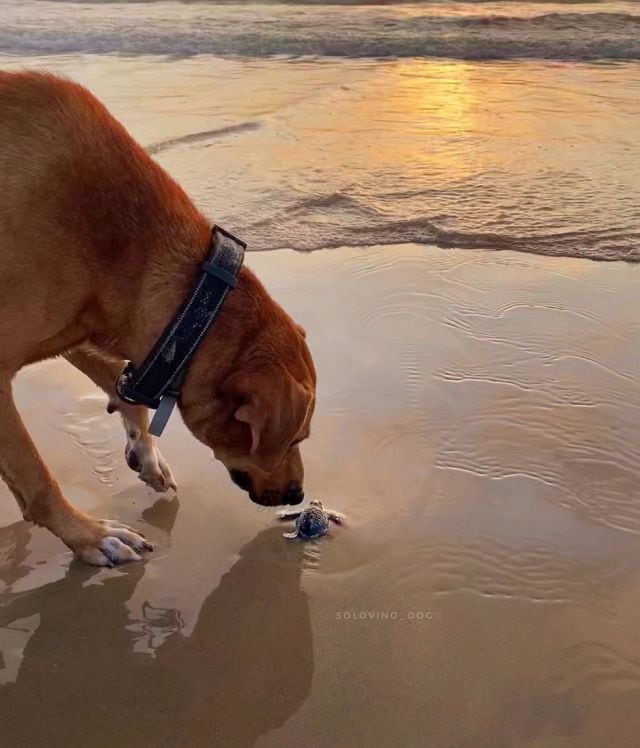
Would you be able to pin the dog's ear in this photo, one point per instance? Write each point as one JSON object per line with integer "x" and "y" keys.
{"x": 274, "y": 406}
{"x": 253, "y": 412}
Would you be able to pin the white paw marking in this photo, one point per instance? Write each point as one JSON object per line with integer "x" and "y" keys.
{"x": 127, "y": 535}
{"x": 145, "y": 458}
{"x": 116, "y": 551}
{"x": 119, "y": 545}
{"x": 109, "y": 542}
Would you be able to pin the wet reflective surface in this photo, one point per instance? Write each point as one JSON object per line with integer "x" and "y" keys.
{"x": 309, "y": 154}
{"x": 477, "y": 422}
{"x": 592, "y": 30}
{"x": 477, "y": 416}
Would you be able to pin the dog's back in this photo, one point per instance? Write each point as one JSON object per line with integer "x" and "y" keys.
{"x": 77, "y": 186}
{"x": 62, "y": 153}
{"x": 45, "y": 124}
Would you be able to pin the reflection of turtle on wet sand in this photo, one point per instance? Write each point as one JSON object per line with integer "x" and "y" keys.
{"x": 311, "y": 522}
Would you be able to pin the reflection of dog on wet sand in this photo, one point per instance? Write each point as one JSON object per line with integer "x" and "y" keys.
{"x": 245, "y": 669}
{"x": 99, "y": 248}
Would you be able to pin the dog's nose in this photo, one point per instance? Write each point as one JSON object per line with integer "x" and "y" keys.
{"x": 293, "y": 495}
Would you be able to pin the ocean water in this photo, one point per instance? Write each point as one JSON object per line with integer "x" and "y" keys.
{"x": 460, "y": 30}
{"x": 478, "y": 409}
{"x": 477, "y": 422}
{"x": 493, "y": 125}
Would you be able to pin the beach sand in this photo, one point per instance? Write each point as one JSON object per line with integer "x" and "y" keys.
{"x": 477, "y": 417}
{"x": 477, "y": 423}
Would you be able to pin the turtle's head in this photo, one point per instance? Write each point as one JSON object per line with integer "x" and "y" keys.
{"x": 316, "y": 502}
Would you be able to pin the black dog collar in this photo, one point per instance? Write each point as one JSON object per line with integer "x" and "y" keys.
{"x": 156, "y": 383}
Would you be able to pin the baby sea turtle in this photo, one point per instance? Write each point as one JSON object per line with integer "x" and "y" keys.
{"x": 311, "y": 522}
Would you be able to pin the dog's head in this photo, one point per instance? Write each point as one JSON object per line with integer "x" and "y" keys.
{"x": 257, "y": 415}
{"x": 271, "y": 414}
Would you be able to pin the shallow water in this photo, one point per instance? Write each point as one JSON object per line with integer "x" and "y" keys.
{"x": 325, "y": 137}
{"x": 477, "y": 422}
{"x": 477, "y": 413}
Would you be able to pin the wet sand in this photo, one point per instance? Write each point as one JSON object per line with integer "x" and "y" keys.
{"x": 477, "y": 422}
{"x": 323, "y": 153}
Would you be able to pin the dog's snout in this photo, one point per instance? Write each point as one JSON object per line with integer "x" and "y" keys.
{"x": 241, "y": 479}
{"x": 293, "y": 494}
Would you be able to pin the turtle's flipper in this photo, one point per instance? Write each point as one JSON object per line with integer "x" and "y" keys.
{"x": 290, "y": 535}
{"x": 289, "y": 513}
{"x": 336, "y": 517}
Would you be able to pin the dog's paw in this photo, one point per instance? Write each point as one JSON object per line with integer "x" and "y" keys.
{"x": 144, "y": 457}
{"x": 112, "y": 543}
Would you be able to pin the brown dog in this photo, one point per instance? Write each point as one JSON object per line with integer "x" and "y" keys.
{"x": 99, "y": 247}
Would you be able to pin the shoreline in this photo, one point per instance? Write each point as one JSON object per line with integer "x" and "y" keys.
{"x": 477, "y": 415}
{"x": 465, "y": 426}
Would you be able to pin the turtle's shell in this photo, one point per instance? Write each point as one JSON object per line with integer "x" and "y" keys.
{"x": 312, "y": 522}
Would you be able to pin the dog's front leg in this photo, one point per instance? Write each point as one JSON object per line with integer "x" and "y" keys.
{"x": 98, "y": 542}
{"x": 141, "y": 452}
